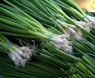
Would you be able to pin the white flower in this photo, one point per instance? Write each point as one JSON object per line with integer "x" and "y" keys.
{"x": 61, "y": 42}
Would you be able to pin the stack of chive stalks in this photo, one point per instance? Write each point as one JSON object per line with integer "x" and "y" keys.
{"x": 16, "y": 22}
{"x": 58, "y": 29}
{"x": 19, "y": 55}
{"x": 52, "y": 17}
{"x": 50, "y": 62}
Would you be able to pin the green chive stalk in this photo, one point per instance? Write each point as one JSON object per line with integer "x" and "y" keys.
{"x": 82, "y": 68}
{"x": 75, "y": 70}
{"x": 83, "y": 45}
{"x": 85, "y": 70}
{"x": 73, "y": 4}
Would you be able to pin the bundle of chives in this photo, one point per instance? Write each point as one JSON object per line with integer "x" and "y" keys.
{"x": 48, "y": 53}
{"x": 88, "y": 18}
{"x": 75, "y": 13}
{"x": 84, "y": 46}
{"x": 77, "y": 36}
{"x": 71, "y": 11}
{"x": 78, "y": 68}
{"x": 33, "y": 69}
{"x": 16, "y": 22}
{"x": 84, "y": 67}
{"x": 68, "y": 31}
{"x": 69, "y": 59}
{"x": 79, "y": 26}
{"x": 72, "y": 30}
{"x": 57, "y": 12}
{"x": 53, "y": 5}
{"x": 89, "y": 23}
{"x": 19, "y": 55}
{"x": 53, "y": 52}
{"x": 33, "y": 8}
{"x": 80, "y": 64}
{"x": 52, "y": 60}
{"x": 48, "y": 18}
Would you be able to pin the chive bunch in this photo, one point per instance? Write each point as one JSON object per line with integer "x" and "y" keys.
{"x": 64, "y": 39}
